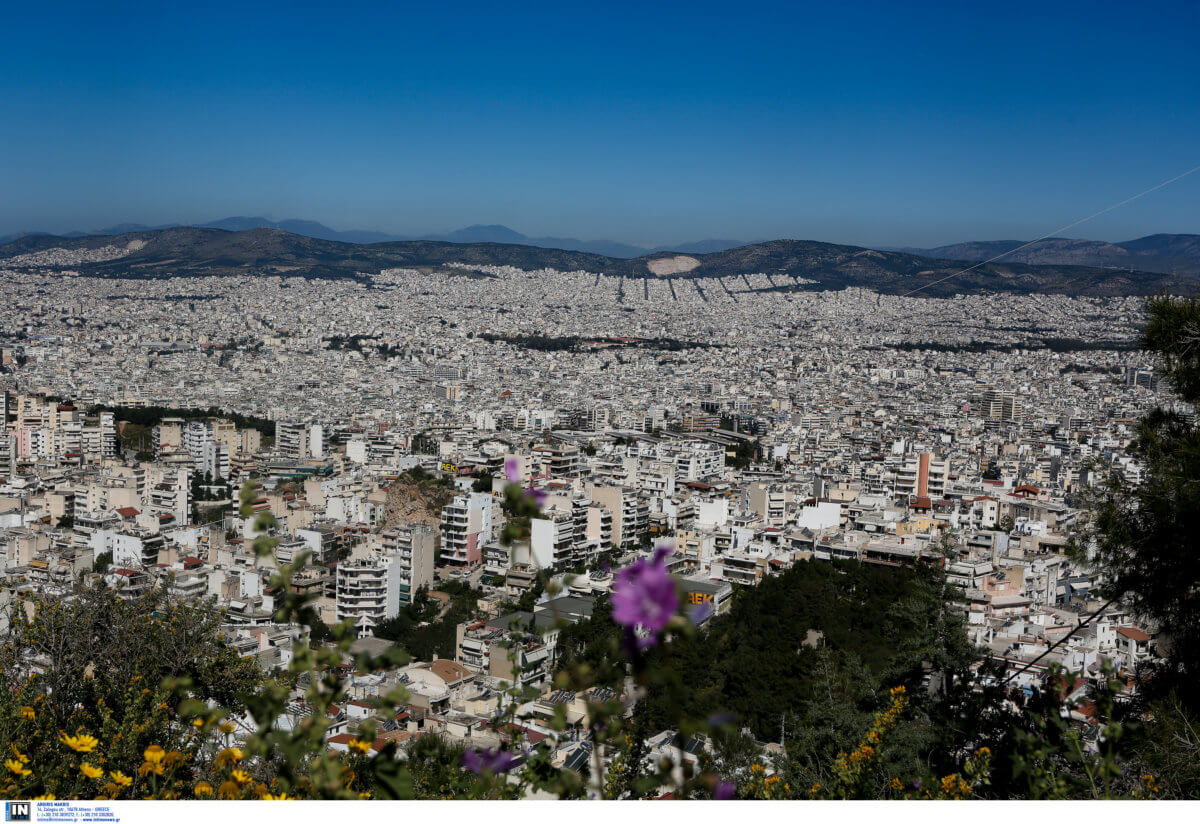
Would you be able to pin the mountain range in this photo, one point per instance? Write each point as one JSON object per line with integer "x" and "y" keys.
{"x": 1169, "y": 254}
{"x": 791, "y": 265}
{"x": 1164, "y": 253}
{"x": 470, "y": 234}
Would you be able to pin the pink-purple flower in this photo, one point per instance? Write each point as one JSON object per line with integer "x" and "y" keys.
{"x": 723, "y": 791}
{"x": 512, "y": 470}
{"x": 538, "y": 496}
{"x": 487, "y": 761}
{"x": 644, "y": 597}
{"x": 701, "y": 612}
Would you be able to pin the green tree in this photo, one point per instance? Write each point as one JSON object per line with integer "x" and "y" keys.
{"x": 1144, "y": 538}
{"x": 102, "y": 562}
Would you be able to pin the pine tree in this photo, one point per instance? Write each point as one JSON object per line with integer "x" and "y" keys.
{"x": 1144, "y": 538}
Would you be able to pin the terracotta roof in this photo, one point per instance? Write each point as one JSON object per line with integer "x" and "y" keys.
{"x": 1133, "y": 633}
{"x": 449, "y": 671}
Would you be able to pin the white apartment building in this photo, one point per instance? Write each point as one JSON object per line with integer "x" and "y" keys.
{"x": 368, "y": 591}
{"x": 467, "y": 525}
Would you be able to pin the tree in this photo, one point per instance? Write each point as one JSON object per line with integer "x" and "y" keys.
{"x": 1143, "y": 538}
{"x": 744, "y": 454}
{"x": 529, "y": 597}
{"x": 734, "y": 751}
{"x": 102, "y": 562}
{"x": 119, "y": 669}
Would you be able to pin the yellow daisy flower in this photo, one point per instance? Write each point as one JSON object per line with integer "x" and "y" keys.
{"x": 81, "y": 742}
{"x": 16, "y": 767}
{"x": 228, "y": 756}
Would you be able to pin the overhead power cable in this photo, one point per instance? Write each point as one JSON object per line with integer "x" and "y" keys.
{"x": 1054, "y": 233}
{"x": 1060, "y": 641}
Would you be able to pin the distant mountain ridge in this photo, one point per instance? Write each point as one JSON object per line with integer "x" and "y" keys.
{"x": 1164, "y": 253}
{"x": 790, "y": 265}
{"x": 470, "y": 234}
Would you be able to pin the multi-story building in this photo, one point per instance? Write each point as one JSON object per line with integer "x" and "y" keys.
{"x": 769, "y": 502}
{"x": 368, "y": 591}
{"x": 553, "y": 540}
{"x": 695, "y": 459}
{"x": 558, "y": 462}
{"x": 292, "y": 440}
{"x": 137, "y": 549}
{"x": 170, "y": 493}
{"x": 168, "y": 436}
{"x": 922, "y": 477}
{"x": 210, "y": 454}
{"x": 491, "y": 646}
{"x": 466, "y": 526}
{"x": 413, "y": 549}
{"x": 630, "y": 514}
{"x": 999, "y": 405}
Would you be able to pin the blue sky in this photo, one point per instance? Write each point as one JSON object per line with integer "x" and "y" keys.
{"x": 868, "y": 123}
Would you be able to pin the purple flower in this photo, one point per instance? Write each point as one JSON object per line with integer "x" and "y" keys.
{"x": 700, "y": 613}
{"x": 487, "y": 761}
{"x": 721, "y": 719}
{"x": 644, "y": 596}
{"x": 723, "y": 791}
{"x": 538, "y": 495}
{"x": 916, "y": 784}
{"x": 512, "y": 468}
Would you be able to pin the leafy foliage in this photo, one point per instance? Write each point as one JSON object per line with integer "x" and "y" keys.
{"x": 420, "y": 631}
{"x": 1144, "y": 537}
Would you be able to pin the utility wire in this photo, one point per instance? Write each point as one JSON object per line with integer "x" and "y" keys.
{"x": 1055, "y": 232}
{"x": 1052, "y": 647}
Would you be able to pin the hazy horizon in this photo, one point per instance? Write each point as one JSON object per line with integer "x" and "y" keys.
{"x": 1079, "y": 234}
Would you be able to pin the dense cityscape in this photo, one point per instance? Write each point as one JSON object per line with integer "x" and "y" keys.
{"x": 747, "y": 428}
{"x": 407, "y": 402}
